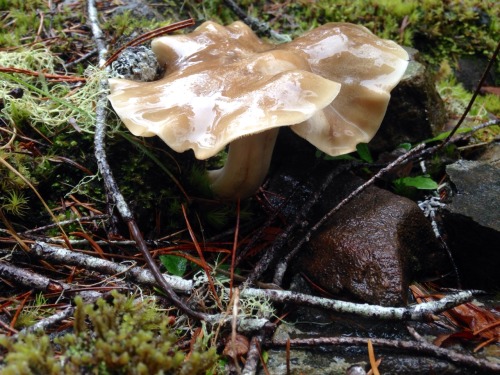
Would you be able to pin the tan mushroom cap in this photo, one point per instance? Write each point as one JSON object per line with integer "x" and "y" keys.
{"x": 223, "y": 83}
{"x": 209, "y": 101}
{"x": 367, "y": 67}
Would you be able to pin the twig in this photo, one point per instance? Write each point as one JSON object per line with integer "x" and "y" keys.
{"x": 419, "y": 312}
{"x": 81, "y": 59}
{"x": 113, "y": 192}
{"x": 97, "y": 32}
{"x": 46, "y": 323}
{"x": 79, "y": 220}
{"x": 29, "y": 279}
{"x": 253, "y": 355}
{"x": 255, "y": 24}
{"x": 419, "y": 347}
{"x": 149, "y": 35}
{"x": 432, "y": 150}
{"x": 137, "y": 274}
{"x": 36, "y": 281}
{"x": 49, "y": 77}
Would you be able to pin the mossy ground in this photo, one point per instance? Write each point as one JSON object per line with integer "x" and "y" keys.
{"x": 46, "y": 127}
{"x": 121, "y": 335}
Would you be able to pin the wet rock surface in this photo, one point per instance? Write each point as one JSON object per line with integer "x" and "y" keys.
{"x": 472, "y": 221}
{"x": 371, "y": 248}
{"x": 338, "y": 359}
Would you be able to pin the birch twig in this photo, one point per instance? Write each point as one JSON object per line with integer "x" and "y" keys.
{"x": 137, "y": 274}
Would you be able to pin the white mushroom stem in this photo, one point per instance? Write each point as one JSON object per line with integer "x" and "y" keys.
{"x": 246, "y": 167}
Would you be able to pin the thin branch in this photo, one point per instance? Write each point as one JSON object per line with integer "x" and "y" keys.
{"x": 52, "y": 320}
{"x": 255, "y": 24}
{"x": 29, "y": 279}
{"x": 253, "y": 356}
{"x": 112, "y": 189}
{"x": 79, "y": 220}
{"x": 149, "y": 35}
{"x": 32, "y": 280}
{"x": 137, "y": 274}
{"x": 419, "y": 312}
{"x": 418, "y": 347}
{"x": 49, "y": 77}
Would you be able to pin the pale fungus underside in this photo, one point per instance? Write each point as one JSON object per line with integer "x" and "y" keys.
{"x": 223, "y": 85}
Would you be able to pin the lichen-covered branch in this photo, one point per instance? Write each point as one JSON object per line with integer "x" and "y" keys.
{"x": 52, "y": 320}
{"x": 137, "y": 274}
{"x": 415, "y": 312}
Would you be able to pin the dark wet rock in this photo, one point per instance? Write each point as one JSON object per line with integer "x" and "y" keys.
{"x": 472, "y": 221}
{"x": 415, "y": 100}
{"x": 338, "y": 359}
{"x": 476, "y": 192}
{"x": 371, "y": 248}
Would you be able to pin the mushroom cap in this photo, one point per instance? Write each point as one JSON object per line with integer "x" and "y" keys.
{"x": 330, "y": 85}
{"x": 367, "y": 67}
{"x": 206, "y": 107}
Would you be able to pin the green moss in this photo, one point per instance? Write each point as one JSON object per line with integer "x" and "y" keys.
{"x": 22, "y": 20}
{"x": 439, "y": 29}
{"x": 492, "y": 104}
{"x": 126, "y": 23}
{"x": 120, "y": 336}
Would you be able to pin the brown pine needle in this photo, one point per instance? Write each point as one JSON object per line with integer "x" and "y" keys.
{"x": 205, "y": 265}
{"x": 373, "y": 361}
{"x": 235, "y": 246}
{"x": 149, "y": 35}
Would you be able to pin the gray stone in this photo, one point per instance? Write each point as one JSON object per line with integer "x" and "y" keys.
{"x": 136, "y": 63}
{"x": 472, "y": 221}
{"x": 477, "y": 192}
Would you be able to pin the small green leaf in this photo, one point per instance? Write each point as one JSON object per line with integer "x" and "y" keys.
{"x": 174, "y": 264}
{"x": 420, "y": 182}
{"x": 405, "y": 146}
{"x": 364, "y": 152}
{"x": 444, "y": 135}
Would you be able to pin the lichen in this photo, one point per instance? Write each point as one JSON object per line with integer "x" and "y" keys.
{"x": 116, "y": 336}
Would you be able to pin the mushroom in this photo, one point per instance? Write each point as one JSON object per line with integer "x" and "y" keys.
{"x": 223, "y": 85}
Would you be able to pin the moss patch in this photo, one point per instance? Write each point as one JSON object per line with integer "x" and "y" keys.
{"x": 116, "y": 336}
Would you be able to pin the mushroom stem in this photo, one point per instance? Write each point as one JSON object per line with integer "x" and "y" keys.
{"x": 246, "y": 167}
